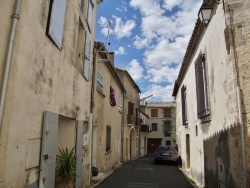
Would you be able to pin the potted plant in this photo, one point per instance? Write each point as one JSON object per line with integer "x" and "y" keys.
{"x": 65, "y": 170}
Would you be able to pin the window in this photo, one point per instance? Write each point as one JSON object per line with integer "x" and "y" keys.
{"x": 99, "y": 81}
{"x": 167, "y": 128}
{"x": 108, "y": 138}
{"x": 184, "y": 105}
{"x": 56, "y": 21}
{"x": 90, "y": 14}
{"x": 86, "y": 59}
{"x": 154, "y": 126}
{"x": 130, "y": 108}
{"x": 154, "y": 112}
{"x": 196, "y": 130}
{"x": 167, "y": 112}
{"x": 201, "y": 87}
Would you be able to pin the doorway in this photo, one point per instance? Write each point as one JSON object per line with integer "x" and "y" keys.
{"x": 188, "y": 150}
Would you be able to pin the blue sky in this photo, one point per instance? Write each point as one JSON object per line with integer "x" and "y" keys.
{"x": 149, "y": 38}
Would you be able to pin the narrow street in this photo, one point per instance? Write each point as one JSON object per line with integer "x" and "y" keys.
{"x": 143, "y": 173}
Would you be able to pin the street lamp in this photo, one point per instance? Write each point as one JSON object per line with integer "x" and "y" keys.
{"x": 205, "y": 13}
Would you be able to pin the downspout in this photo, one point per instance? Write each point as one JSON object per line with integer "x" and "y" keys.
{"x": 122, "y": 128}
{"x": 239, "y": 103}
{"x": 15, "y": 18}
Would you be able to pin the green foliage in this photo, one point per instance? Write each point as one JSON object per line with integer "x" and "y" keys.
{"x": 173, "y": 134}
{"x": 66, "y": 164}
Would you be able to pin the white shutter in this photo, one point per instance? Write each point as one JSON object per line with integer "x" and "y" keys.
{"x": 48, "y": 152}
{"x": 79, "y": 154}
{"x": 56, "y": 24}
{"x": 87, "y": 57}
{"x": 90, "y": 14}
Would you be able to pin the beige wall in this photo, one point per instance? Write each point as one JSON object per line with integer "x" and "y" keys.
{"x": 106, "y": 114}
{"x": 42, "y": 78}
{"x": 218, "y": 139}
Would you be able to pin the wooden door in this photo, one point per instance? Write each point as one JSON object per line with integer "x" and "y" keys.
{"x": 153, "y": 143}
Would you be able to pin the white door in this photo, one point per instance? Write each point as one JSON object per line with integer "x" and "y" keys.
{"x": 79, "y": 153}
{"x": 48, "y": 152}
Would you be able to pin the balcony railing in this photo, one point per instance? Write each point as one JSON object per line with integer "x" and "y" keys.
{"x": 131, "y": 120}
{"x": 145, "y": 128}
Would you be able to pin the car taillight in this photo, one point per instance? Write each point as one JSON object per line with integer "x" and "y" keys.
{"x": 157, "y": 152}
{"x": 174, "y": 153}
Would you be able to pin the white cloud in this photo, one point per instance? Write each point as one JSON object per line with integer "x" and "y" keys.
{"x": 121, "y": 51}
{"x": 118, "y": 28}
{"x": 123, "y": 7}
{"x": 159, "y": 93}
{"x": 135, "y": 70}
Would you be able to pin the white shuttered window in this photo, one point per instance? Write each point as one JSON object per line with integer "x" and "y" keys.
{"x": 86, "y": 60}
{"x": 56, "y": 22}
{"x": 90, "y": 14}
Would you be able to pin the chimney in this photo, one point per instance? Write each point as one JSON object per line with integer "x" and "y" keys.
{"x": 112, "y": 57}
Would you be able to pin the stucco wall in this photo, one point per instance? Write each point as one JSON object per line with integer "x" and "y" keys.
{"x": 42, "y": 78}
{"x": 106, "y": 114}
{"x": 218, "y": 140}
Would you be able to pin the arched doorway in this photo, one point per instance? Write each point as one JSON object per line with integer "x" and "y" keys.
{"x": 132, "y": 143}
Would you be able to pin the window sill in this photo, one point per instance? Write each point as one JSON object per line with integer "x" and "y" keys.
{"x": 101, "y": 92}
{"x": 108, "y": 152}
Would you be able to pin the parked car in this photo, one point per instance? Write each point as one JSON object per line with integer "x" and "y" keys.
{"x": 166, "y": 153}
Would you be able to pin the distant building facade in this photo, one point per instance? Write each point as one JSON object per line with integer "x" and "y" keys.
{"x": 161, "y": 119}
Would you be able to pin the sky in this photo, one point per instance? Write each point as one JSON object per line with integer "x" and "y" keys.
{"x": 149, "y": 38}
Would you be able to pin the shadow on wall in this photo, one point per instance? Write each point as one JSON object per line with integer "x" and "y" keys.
{"x": 220, "y": 152}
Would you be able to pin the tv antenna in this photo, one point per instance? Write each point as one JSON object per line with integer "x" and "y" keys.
{"x": 109, "y": 27}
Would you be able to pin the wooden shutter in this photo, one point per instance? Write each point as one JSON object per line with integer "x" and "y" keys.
{"x": 183, "y": 105}
{"x": 87, "y": 57}
{"x": 79, "y": 154}
{"x": 90, "y": 14}
{"x": 56, "y": 23}
{"x": 201, "y": 90}
{"x": 167, "y": 112}
{"x": 48, "y": 151}
{"x": 154, "y": 112}
{"x": 108, "y": 138}
{"x": 130, "y": 108}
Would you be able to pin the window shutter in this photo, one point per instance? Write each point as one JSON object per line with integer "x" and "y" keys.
{"x": 183, "y": 105}
{"x": 167, "y": 112}
{"x": 56, "y": 24}
{"x": 108, "y": 138}
{"x": 87, "y": 57}
{"x": 201, "y": 91}
{"x": 90, "y": 14}
{"x": 130, "y": 108}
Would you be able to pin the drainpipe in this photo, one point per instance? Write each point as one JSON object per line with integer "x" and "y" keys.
{"x": 15, "y": 18}
{"x": 122, "y": 128}
{"x": 244, "y": 171}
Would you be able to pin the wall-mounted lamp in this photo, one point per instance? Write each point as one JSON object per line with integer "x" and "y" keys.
{"x": 205, "y": 13}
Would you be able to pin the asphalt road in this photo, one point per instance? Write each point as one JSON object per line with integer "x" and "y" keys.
{"x": 143, "y": 173}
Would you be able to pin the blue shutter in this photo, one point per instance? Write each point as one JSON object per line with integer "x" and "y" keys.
{"x": 56, "y": 24}
{"x": 87, "y": 57}
{"x": 79, "y": 154}
{"x": 48, "y": 151}
{"x": 90, "y": 14}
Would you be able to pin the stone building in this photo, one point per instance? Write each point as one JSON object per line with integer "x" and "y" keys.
{"x": 131, "y": 105}
{"x": 212, "y": 98}
{"x": 46, "y": 76}
{"x": 108, "y": 93}
{"x": 161, "y": 119}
